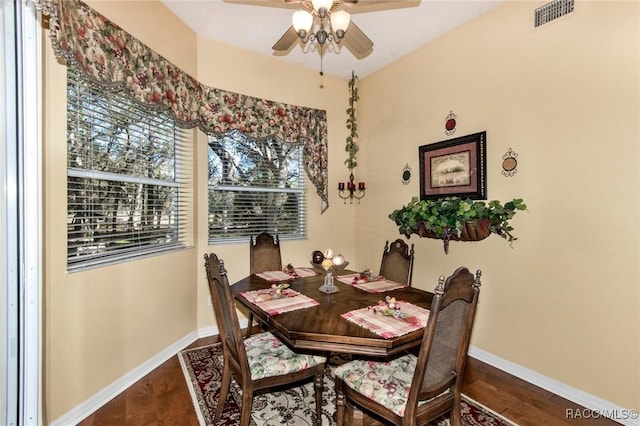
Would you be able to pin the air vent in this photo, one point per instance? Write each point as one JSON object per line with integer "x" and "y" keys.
{"x": 553, "y": 10}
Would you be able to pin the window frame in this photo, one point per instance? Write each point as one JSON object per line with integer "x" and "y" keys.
{"x": 173, "y": 172}
{"x": 246, "y": 188}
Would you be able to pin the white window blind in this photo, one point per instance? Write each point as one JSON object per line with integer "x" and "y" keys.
{"x": 127, "y": 171}
{"x": 255, "y": 185}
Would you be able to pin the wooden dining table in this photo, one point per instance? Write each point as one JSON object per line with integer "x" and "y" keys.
{"x": 322, "y": 328}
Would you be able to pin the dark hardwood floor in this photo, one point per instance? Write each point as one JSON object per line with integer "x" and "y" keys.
{"x": 162, "y": 398}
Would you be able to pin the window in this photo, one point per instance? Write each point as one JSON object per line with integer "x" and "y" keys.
{"x": 255, "y": 185}
{"x": 127, "y": 169}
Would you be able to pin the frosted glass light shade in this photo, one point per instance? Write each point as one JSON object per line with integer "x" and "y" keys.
{"x": 302, "y": 20}
{"x": 340, "y": 21}
{"x": 322, "y": 4}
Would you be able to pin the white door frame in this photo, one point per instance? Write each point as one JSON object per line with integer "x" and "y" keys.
{"x": 22, "y": 218}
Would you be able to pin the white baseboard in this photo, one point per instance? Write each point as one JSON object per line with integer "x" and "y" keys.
{"x": 214, "y": 330}
{"x": 80, "y": 412}
{"x": 595, "y": 407}
{"x": 208, "y": 331}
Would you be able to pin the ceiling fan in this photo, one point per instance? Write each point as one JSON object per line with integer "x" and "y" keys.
{"x": 321, "y": 21}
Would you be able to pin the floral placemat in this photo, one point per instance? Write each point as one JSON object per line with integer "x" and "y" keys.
{"x": 302, "y": 272}
{"x": 376, "y": 285}
{"x": 288, "y": 300}
{"x": 274, "y": 276}
{"x": 380, "y": 319}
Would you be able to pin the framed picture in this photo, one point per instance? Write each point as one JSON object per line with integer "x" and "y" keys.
{"x": 454, "y": 168}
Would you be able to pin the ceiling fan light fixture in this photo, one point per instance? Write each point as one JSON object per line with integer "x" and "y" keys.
{"x": 321, "y": 26}
{"x": 340, "y": 22}
{"x": 302, "y": 22}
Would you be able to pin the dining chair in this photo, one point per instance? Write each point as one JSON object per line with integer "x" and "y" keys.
{"x": 264, "y": 255}
{"x": 414, "y": 390}
{"x": 259, "y": 362}
{"x": 397, "y": 262}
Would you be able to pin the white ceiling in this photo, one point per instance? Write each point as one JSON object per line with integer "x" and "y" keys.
{"x": 395, "y": 32}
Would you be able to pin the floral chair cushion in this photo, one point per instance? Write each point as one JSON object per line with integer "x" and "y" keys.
{"x": 387, "y": 383}
{"x": 268, "y": 357}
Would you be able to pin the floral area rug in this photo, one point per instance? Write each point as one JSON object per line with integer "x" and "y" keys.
{"x": 202, "y": 368}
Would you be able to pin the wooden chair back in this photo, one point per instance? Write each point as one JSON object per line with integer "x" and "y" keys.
{"x": 264, "y": 253}
{"x": 397, "y": 262}
{"x": 443, "y": 353}
{"x": 226, "y": 316}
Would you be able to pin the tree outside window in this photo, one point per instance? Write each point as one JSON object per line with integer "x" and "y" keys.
{"x": 125, "y": 168}
{"x": 255, "y": 185}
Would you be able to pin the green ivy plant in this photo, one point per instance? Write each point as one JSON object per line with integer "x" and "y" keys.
{"x": 352, "y": 147}
{"x": 445, "y": 218}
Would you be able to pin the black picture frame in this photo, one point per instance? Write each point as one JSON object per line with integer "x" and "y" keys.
{"x": 454, "y": 168}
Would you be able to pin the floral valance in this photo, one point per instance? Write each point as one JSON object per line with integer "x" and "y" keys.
{"x": 108, "y": 55}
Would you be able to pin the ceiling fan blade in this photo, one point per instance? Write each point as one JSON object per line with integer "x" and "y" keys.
{"x": 356, "y": 41}
{"x": 288, "y": 4}
{"x": 362, "y": 6}
{"x": 261, "y": 2}
{"x": 368, "y": 2}
{"x": 287, "y": 40}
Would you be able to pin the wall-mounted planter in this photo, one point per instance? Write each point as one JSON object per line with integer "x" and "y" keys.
{"x": 470, "y": 232}
{"x": 456, "y": 219}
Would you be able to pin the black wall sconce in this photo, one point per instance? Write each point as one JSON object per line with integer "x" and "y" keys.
{"x": 348, "y": 190}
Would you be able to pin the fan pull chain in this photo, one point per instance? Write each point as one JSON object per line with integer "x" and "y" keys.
{"x": 321, "y": 69}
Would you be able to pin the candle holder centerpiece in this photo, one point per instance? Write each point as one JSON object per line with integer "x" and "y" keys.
{"x": 330, "y": 263}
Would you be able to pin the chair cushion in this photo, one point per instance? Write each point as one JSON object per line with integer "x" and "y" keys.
{"x": 387, "y": 383}
{"x": 268, "y": 357}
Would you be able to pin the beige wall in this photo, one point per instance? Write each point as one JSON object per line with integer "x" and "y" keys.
{"x": 566, "y": 98}
{"x": 103, "y": 323}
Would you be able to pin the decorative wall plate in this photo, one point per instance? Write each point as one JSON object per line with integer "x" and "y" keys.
{"x": 406, "y": 174}
{"x": 509, "y": 163}
{"x": 450, "y": 124}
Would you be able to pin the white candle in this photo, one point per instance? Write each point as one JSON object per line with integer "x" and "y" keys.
{"x": 328, "y": 254}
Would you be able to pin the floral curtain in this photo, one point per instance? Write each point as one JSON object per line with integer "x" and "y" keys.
{"x": 108, "y": 55}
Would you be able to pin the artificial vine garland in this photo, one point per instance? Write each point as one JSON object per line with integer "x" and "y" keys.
{"x": 352, "y": 146}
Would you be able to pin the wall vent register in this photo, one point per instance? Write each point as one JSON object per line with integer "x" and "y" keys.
{"x": 553, "y": 10}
